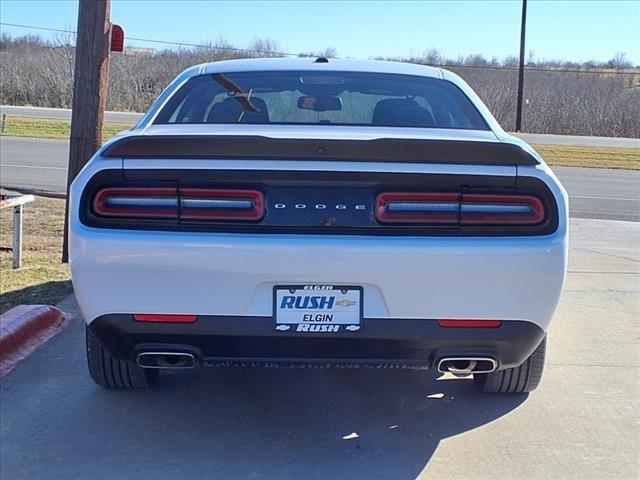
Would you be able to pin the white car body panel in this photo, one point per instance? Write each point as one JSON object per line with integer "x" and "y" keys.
{"x": 205, "y": 273}
{"x": 227, "y": 274}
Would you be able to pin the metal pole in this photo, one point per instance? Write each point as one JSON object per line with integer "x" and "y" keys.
{"x": 17, "y": 236}
{"x": 4, "y": 122}
{"x": 521, "y": 69}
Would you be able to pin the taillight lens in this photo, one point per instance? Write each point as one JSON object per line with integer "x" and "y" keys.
{"x": 137, "y": 202}
{"x": 221, "y": 204}
{"x": 501, "y": 209}
{"x": 184, "y": 204}
{"x": 469, "y": 209}
{"x": 441, "y": 208}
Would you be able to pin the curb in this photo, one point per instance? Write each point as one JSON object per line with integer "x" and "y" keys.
{"x": 25, "y": 328}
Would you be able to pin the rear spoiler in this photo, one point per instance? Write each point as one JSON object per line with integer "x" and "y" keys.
{"x": 267, "y": 148}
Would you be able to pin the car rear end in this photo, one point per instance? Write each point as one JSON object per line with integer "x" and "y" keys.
{"x": 266, "y": 244}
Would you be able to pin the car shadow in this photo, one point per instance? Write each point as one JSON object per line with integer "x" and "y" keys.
{"x": 244, "y": 423}
{"x": 286, "y": 423}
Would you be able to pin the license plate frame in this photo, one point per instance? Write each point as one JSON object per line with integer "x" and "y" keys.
{"x": 349, "y": 319}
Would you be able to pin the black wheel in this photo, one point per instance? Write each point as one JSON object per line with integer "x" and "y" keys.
{"x": 524, "y": 378}
{"x": 110, "y": 372}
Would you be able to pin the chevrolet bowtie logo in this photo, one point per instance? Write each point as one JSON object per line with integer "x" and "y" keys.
{"x": 345, "y": 303}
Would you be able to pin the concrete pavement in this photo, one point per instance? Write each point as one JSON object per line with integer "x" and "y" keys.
{"x": 582, "y": 423}
{"x": 595, "y": 193}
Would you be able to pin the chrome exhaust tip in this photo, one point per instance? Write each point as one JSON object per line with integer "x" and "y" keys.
{"x": 166, "y": 360}
{"x": 467, "y": 365}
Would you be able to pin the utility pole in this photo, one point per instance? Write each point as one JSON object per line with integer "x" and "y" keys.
{"x": 89, "y": 91}
{"x": 521, "y": 69}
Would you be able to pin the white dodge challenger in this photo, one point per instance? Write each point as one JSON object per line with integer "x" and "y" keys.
{"x": 283, "y": 212}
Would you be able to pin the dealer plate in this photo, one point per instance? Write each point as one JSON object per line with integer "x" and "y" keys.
{"x": 317, "y": 308}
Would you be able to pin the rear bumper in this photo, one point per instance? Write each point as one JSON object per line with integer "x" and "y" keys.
{"x": 221, "y": 340}
{"x": 234, "y": 275}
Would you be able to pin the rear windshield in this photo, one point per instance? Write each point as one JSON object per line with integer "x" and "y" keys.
{"x": 321, "y": 98}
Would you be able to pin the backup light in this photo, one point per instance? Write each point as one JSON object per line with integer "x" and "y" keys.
{"x": 221, "y": 204}
{"x": 418, "y": 208}
{"x": 501, "y": 209}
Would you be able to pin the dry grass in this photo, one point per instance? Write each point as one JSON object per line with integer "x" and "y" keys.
{"x": 43, "y": 279}
{"x": 51, "y": 128}
{"x": 594, "y": 157}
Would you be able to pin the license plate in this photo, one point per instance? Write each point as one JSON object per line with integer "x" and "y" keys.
{"x": 317, "y": 308}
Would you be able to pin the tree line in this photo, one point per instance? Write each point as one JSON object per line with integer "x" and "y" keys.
{"x": 589, "y": 98}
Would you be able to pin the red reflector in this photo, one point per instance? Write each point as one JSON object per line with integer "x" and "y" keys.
{"x": 152, "y": 317}
{"x": 470, "y": 323}
{"x": 405, "y": 207}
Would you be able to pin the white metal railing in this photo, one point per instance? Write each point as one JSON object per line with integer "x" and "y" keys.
{"x": 17, "y": 202}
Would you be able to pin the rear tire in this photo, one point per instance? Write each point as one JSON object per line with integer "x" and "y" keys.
{"x": 110, "y": 372}
{"x": 522, "y": 379}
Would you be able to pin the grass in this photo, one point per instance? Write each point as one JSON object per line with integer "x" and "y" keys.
{"x": 51, "y": 128}
{"x": 43, "y": 279}
{"x": 594, "y": 157}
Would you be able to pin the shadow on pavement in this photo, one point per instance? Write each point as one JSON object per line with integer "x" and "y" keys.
{"x": 232, "y": 422}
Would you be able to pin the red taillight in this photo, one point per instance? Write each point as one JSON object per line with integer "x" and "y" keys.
{"x": 470, "y": 323}
{"x": 221, "y": 204}
{"x": 441, "y": 208}
{"x": 137, "y": 202}
{"x": 469, "y": 209}
{"x": 161, "y": 318}
{"x": 500, "y": 209}
{"x": 183, "y": 204}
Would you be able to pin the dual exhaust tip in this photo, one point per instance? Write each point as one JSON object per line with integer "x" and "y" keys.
{"x": 460, "y": 366}
{"x": 463, "y": 366}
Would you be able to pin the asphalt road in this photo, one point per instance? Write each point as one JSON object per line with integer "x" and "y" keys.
{"x": 587, "y": 141}
{"x": 595, "y": 193}
{"x": 65, "y": 113}
{"x": 582, "y": 423}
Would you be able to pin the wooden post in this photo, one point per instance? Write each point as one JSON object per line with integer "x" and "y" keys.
{"x": 89, "y": 91}
{"x": 523, "y": 25}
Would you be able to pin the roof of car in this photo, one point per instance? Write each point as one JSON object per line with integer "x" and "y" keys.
{"x": 311, "y": 63}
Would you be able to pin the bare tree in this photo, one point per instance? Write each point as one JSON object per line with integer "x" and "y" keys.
{"x": 39, "y": 73}
{"x": 264, "y": 47}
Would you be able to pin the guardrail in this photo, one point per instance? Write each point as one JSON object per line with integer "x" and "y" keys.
{"x": 17, "y": 202}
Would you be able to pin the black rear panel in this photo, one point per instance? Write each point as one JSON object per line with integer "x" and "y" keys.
{"x": 332, "y": 203}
